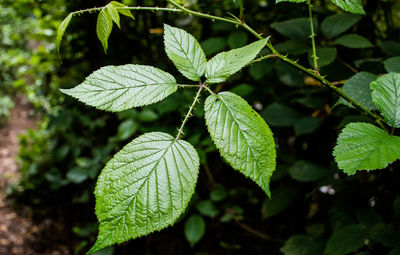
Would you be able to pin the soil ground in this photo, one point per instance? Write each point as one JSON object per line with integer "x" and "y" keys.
{"x": 18, "y": 233}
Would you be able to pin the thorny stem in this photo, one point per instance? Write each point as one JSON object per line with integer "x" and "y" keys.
{"x": 136, "y": 8}
{"x": 275, "y": 53}
{"x": 189, "y": 113}
{"x": 312, "y": 36}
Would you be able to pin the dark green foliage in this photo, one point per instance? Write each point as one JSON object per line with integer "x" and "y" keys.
{"x": 318, "y": 205}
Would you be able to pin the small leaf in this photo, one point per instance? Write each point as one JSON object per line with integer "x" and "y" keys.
{"x": 279, "y": 115}
{"x": 336, "y": 24}
{"x": 185, "y": 52}
{"x": 113, "y": 14}
{"x": 242, "y": 137}
{"x": 354, "y": 41}
{"x": 104, "y": 27}
{"x": 392, "y": 64}
{"x": 306, "y": 125}
{"x": 207, "y": 208}
{"x": 281, "y": 199}
{"x": 292, "y": 1}
{"x": 353, "y": 6}
{"x": 126, "y": 129}
{"x": 386, "y": 96}
{"x": 297, "y": 29}
{"x": 362, "y": 146}
{"x": 61, "y": 30}
{"x": 237, "y": 39}
{"x": 195, "y": 227}
{"x": 224, "y": 64}
{"x": 325, "y": 56}
{"x": 345, "y": 240}
{"x": 213, "y": 45}
{"x": 304, "y": 171}
{"x": 118, "y": 88}
{"x": 358, "y": 88}
{"x": 123, "y": 12}
{"x": 144, "y": 188}
{"x": 302, "y": 245}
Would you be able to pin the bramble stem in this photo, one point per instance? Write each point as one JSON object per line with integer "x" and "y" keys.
{"x": 137, "y": 8}
{"x": 189, "y": 113}
{"x": 312, "y": 36}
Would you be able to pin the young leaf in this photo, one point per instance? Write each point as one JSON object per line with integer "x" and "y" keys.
{"x": 123, "y": 12}
{"x": 362, "y": 146}
{"x": 144, "y": 188}
{"x": 358, "y": 88}
{"x": 61, "y": 30}
{"x": 185, "y": 52}
{"x": 336, "y": 24}
{"x": 345, "y": 240}
{"x": 195, "y": 227}
{"x": 302, "y": 245}
{"x": 224, "y": 64}
{"x": 386, "y": 96}
{"x": 297, "y": 29}
{"x": 354, "y": 41}
{"x": 118, "y": 88}
{"x": 113, "y": 14}
{"x": 392, "y": 64}
{"x": 293, "y": 1}
{"x": 104, "y": 27}
{"x": 242, "y": 137}
{"x": 353, "y": 6}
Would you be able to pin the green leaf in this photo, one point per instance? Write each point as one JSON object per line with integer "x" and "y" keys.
{"x": 325, "y": 56}
{"x": 302, "y": 245}
{"x": 213, "y": 45}
{"x": 385, "y": 234}
{"x": 279, "y": 115}
{"x": 144, "y": 188}
{"x": 353, "y": 6}
{"x": 281, "y": 199}
{"x": 126, "y": 129}
{"x": 113, "y": 14}
{"x": 207, "y": 208}
{"x": 354, "y": 41}
{"x": 104, "y": 27}
{"x": 392, "y": 64}
{"x": 185, "y": 52}
{"x": 362, "y": 146}
{"x": 306, "y": 125}
{"x": 237, "y": 39}
{"x": 292, "y": 1}
{"x": 118, "y": 88}
{"x": 336, "y": 24}
{"x": 242, "y": 137}
{"x": 358, "y": 88}
{"x": 224, "y": 64}
{"x": 345, "y": 240}
{"x": 123, "y": 12}
{"x": 61, "y": 30}
{"x": 195, "y": 228}
{"x": 304, "y": 171}
{"x": 386, "y": 96}
{"x": 77, "y": 175}
{"x": 298, "y": 29}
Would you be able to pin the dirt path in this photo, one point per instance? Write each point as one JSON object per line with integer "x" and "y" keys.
{"x": 16, "y": 230}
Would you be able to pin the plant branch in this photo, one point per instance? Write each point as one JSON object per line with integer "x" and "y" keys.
{"x": 188, "y": 86}
{"x": 136, "y": 8}
{"x": 189, "y": 113}
{"x": 312, "y": 36}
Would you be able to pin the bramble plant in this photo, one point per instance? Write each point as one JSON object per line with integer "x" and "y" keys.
{"x": 148, "y": 184}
